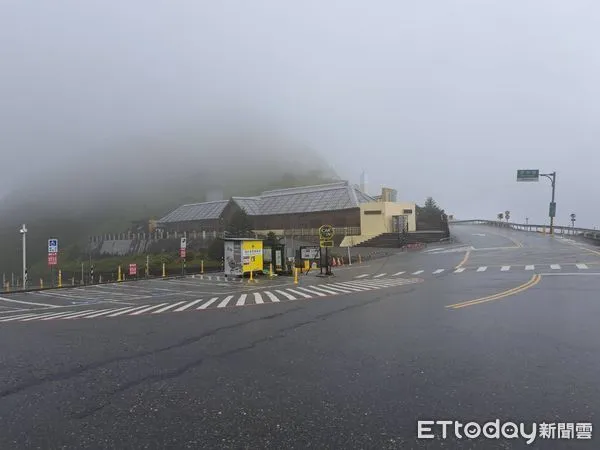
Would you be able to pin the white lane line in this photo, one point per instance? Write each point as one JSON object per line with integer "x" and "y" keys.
{"x": 325, "y": 289}
{"x": 504, "y": 268}
{"x": 208, "y": 303}
{"x": 301, "y": 294}
{"x": 286, "y": 295}
{"x": 418, "y": 272}
{"x": 258, "y": 298}
{"x": 399, "y": 273}
{"x": 10, "y": 300}
{"x": 555, "y": 266}
{"x": 149, "y": 308}
{"x": 242, "y": 300}
{"x": 168, "y": 307}
{"x": 189, "y": 305}
{"x": 20, "y": 316}
{"x": 459, "y": 270}
{"x": 362, "y": 276}
{"x": 42, "y": 316}
{"x": 582, "y": 266}
{"x": 435, "y": 272}
{"x": 271, "y": 296}
{"x": 530, "y": 267}
{"x": 380, "y": 275}
{"x": 125, "y": 311}
{"x": 481, "y": 269}
{"x": 223, "y": 304}
{"x": 70, "y": 314}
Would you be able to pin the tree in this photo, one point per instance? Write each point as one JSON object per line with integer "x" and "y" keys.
{"x": 430, "y": 205}
{"x": 240, "y": 225}
{"x": 500, "y": 216}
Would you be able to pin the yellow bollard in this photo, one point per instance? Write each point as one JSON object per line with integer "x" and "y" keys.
{"x": 119, "y": 274}
{"x": 41, "y": 283}
{"x": 271, "y": 270}
{"x": 201, "y": 266}
{"x": 7, "y": 287}
{"x": 295, "y": 275}
{"x": 60, "y": 278}
{"x": 164, "y": 271}
{"x": 251, "y": 277}
{"x": 359, "y": 259}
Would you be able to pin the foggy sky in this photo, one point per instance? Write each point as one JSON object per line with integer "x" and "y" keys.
{"x": 434, "y": 98}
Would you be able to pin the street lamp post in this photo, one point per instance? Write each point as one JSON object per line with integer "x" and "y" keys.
{"x": 23, "y": 231}
{"x": 552, "y": 212}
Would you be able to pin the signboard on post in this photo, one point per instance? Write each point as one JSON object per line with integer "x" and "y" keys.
{"x": 52, "y": 259}
{"x": 310, "y": 252}
{"x": 552, "y": 210}
{"x": 132, "y": 269}
{"x": 183, "y": 248}
{"x": 326, "y": 234}
{"x": 528, "y": 175}
{"x": 52, "y": 245}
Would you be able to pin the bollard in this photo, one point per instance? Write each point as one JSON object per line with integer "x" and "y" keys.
{"x": 119, "y": 275}
{"x": 60, "y": 278}
{"x": 164, "y": 273}
{"x": 271, "y": 270}
{"x": 73, "y": 281}
{"x": 359, "y": 259}
{"x": 251, "y": 277}
{"x": 201, "y": 266}
{"x": 100, "y": 278}
{"x": 7, "y": 286}
{"x": 41, "y": 283}
{"x": 295, "y": 275}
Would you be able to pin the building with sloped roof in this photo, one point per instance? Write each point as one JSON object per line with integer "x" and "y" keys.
{"x": 336, "y": 204}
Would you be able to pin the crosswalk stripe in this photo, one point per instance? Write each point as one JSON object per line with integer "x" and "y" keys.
{"x": 435, "y": 272}
{"x": 555, "y": 266}
{"x": 348, "y": 286}
{"x": 530, "y": 267}
{"x": 42, "y": 316}
{"x": 242, "y": 300}
{"x": 208, "y": 303}
{"x": 301, "y": 294}
{"x": 582, "y": 266}
{"x": 362, "y": 276}
{"x": 334, "y": 288}
{"x": 258, "y": 298}
{"x": 312, "y": 291}
{"x": 125, "y": 311}
{"x": 358, "y": 285}
{"x": 459, "y": 270}
{"x": 168, "y": 307}
{"x": 20, "y": 316}
{"x": 324, "y": 289}
{"x": 149, "y": 308}
{"x": 189, "y": 305}
{"x": 101, "y": 312}
{"x": 418, "y": 272}
{"x": 67, "y": 315}
{"x": 399, "y": 273}
{"x": 271, "y": 296}
{"x": 380, "y": 275}
{"x": 504, "y": 268}
{"x": 286, "y": 295}
{"x": 223, "y": 304}
{"x": 482, "y": 269}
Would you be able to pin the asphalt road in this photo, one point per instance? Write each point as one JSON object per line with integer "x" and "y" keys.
{"x": 497, "y": 325}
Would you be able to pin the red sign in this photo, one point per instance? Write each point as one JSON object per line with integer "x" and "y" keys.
{"x": 132, "y": 269}
{"x": 182, "y": 253}
{"x": 52, "y": 259}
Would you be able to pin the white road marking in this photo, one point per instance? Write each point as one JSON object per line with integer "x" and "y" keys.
{"x": 301, "y": 294}
{"x": 70, "y": 314}
{"x": 398, "y": 273}
{"x": 150, "y": 308}
{"x": 505, "y": 269}
{"x": 582, "y": 266}
{"x": 95, "y": 313}
{"x": 242, "y": 300}
{"x": 20, "y": 316}
{"x": 223, "y": 304}
{"x": 258, "y": 298}
{"x": 271, "y": 297}
{"x": 10, "y": 300}
{"x": 459, "y": 270}
{"x": 326, "y": 290}
{"x": 482, "y": 269}
{"x": 362, "y": 276}
{"x": 380, "y": 275}
{"x": 334, "y": 288}
{"x": 208, "y": 303}
{"x": 126, "y": 310}
{"x": 349, "y": 286}
{"x": 286, "y": 295}
{"x": 168, "y": 307}
{"x": 530, "y": 267}
{"x": 42, "y": 315}
{"x": 555, "y": 266}
{"x": 189, "y": 305}
{"x": 435, "y": 272}
{"x": 418, "y": 272}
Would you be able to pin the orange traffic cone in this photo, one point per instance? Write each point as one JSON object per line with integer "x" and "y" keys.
{"x": 333, "y": 264}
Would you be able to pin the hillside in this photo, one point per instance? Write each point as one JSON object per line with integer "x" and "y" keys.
{"x": 108, "y": 190}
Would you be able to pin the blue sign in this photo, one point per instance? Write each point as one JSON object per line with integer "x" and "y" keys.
{"x": 52, "y": 245}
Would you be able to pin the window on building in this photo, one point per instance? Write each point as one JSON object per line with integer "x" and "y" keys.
{"x": 372, "y": 212}
{"x": 407, "y": 211}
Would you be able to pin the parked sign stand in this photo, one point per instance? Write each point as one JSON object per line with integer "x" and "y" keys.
{"x": 52, "y": 256}
{"x": 182, "y": 254}
{"x": 326, "y": 234}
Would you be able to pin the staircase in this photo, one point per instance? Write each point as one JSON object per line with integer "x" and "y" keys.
{"x": 391, "y": 240}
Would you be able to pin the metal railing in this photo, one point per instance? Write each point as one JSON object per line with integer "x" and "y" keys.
{"x": 558, "y": 229}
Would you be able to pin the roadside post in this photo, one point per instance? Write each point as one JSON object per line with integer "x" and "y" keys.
{"x": 326, "y": 234}
{"x": 182, "y": 254}
{"x": 59, "y": 278}
{"x": 533, "y": 175}
{"x": 52, "y": 256}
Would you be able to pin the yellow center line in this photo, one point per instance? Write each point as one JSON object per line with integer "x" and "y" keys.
{"x": 535, "y": 279}
{"x": 464, "y": 260}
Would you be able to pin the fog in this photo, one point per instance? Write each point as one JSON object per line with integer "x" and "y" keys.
{"x": 445, "y": 99}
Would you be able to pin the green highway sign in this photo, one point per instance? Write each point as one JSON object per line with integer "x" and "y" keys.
{"x": 528, "y": 175}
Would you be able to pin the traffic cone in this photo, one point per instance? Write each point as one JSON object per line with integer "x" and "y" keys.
{"x": 333, "y": 264}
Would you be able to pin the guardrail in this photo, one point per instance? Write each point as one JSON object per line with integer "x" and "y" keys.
{"x": 558, "y": 229}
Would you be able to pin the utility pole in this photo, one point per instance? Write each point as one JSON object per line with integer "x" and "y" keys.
{"x": 573, "y": 223}
{"x": 23, "y": 231}
{"x": 534, "y": 175}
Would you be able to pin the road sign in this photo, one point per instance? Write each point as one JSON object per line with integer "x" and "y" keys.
{"x": 310, "y": 252}
{"x": 52, "y": 259}
{"x": 132, "y": 269}
{"x": 552, "y": 210}
{"x": 326, "y": 232}
{"x": 182, "y": 253}
{"x": 52, "y": 246}
{"x": 183, "y": 244}
{"x": 326, "y": 243}
{"x": 528, "y": 175}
